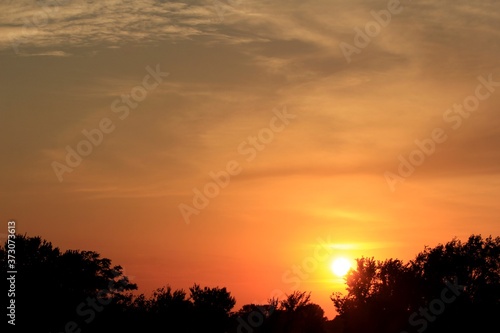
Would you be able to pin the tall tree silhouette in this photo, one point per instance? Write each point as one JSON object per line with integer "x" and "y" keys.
{"x": 475, "y": 265}
{"x": 450, "y": 287}
{"x": 54, "y": 287}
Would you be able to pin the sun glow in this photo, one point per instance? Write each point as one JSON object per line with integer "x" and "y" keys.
{"x": 340, "y": 266}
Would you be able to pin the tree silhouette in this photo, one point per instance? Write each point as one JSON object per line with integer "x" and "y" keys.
{"x": 54, "y": 287}
{"x": 167, "y": 309}
{"x": 474, "y": 264}
{"x": 449, "y": 287}
{"x": 293, "y": 314}
{"x": 295, "y": 300}
{"x": 453, "y": 287}
{"x": 212, "y": 308}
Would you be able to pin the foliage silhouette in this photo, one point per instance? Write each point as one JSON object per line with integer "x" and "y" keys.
{"x": 212, "y": 308}
{"x": 293, "y": 314}
{"x": 451, "y": 287}
{"x": 51, "y": 285}
{"x": 295, "y": 301}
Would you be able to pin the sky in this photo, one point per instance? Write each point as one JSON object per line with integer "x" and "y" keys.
{"x": 245, "y": 144}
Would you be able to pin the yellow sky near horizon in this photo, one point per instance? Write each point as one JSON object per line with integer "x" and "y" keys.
{"x": 264, "y": 87}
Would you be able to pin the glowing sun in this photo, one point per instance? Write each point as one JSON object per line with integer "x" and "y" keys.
{"x": 340, "y": 266}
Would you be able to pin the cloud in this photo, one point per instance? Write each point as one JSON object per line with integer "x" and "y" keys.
{"x": 88, "y": 23}
{"x": 233, "y": 61}
{"x": 48, "y": 54}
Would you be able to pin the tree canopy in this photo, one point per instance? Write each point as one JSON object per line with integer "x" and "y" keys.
{"x": 52, "y": 284}
{"x": 450, "y": 287}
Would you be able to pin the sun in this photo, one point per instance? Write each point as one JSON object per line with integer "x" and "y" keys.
{"x": 340, "y": 266}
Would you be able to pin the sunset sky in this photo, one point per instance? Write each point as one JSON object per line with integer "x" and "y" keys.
{"x": 350, "y": 128}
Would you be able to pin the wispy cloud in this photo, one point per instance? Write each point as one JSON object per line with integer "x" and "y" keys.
{"x": 85, "y": 23}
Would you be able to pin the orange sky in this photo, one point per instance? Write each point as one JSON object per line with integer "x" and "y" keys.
{"x": 236, "y": 69}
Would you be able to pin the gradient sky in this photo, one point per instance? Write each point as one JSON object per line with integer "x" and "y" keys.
{"x": 232, "y": 65}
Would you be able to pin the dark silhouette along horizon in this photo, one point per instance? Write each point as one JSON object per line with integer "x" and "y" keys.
{"x": 452, "y": 287}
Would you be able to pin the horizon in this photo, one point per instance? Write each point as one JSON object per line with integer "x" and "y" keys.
{"x": 278, "y": 294}
{"x": 248, "y": 144}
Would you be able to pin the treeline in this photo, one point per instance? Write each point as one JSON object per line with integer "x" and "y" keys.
{"x": 453, "y": 287}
